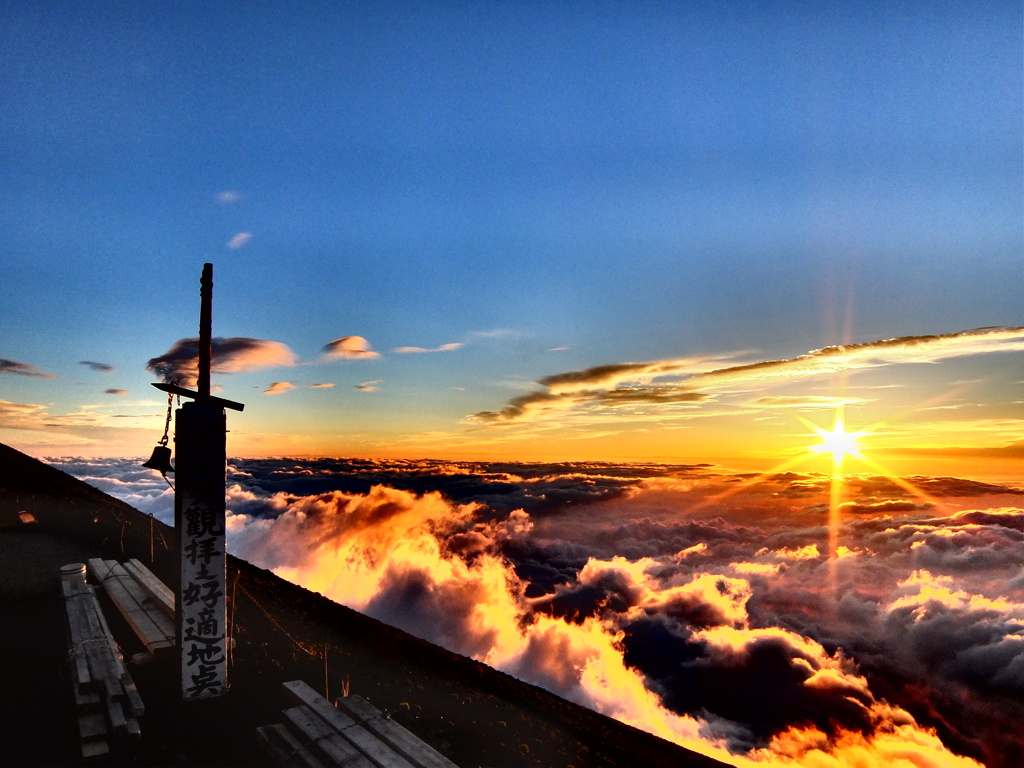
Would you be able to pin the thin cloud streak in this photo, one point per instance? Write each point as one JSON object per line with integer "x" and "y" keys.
{"x": 23, "y": 369}
{"x": 278, "y": 387}
{"x": 99, "y": 367}
{"x": 601, "y": 385}
{"x": 419, "y": 350}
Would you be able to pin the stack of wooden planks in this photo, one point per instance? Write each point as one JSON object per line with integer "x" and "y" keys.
{"x": 144, "y": 601}
{"x": 107, "y": 701}
{"x": 351, "y": 733}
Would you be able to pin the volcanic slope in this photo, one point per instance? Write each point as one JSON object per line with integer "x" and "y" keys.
{"x": 475, "y": 715}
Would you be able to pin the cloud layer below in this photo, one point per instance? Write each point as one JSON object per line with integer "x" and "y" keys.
{"x": 715, "y": 610}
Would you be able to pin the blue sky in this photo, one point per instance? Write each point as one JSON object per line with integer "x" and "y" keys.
{"x": 552, "y": 186}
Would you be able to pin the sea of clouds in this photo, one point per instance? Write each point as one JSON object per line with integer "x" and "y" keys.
{"x": 737, "y": 615}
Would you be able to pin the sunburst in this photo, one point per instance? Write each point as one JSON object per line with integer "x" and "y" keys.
{"x": 838, "y": 442}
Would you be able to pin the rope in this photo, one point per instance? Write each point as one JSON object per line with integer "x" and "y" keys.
{"x": 315, "y": 653}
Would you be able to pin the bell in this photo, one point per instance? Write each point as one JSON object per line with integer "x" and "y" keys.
{"x": 160, "y": 460}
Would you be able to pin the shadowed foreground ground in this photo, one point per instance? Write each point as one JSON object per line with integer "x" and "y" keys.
{"x": 473, "y": 714}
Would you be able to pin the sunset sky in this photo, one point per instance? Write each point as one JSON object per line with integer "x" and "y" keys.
{"x": 539, "y": 231}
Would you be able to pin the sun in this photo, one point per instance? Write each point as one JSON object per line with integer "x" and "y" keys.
{"x": 838, "y": 442}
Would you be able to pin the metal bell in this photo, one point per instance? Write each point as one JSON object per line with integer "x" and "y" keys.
{"x": 160, "y": 460}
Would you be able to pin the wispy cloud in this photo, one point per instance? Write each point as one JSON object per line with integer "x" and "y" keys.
{"x": 694, "y": 377}
{"x": 118, "y": 392}
{"x": 23, "y": 369}
{"x": 349, "y": 348}
{"x": 230, "y": 355}
{"x": 806, "y": 401}
{"x": 228, "y": 196}
{"x": 415, "y": 350}
{"x": 324, "y": 385}
{"x": 278, "y": 387}
{"x": 99, "y": 367}
{"x": 239, "y": 240}
{"x": 368, "y": 386}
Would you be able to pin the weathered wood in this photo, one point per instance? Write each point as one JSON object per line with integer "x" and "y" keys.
{"x": 92, "y": 726}
{"x": 153, "y": 636}
{"x": 379, "y": 753}
{"x": 147, "y": 603}
{"x": 92, "y": 639}
{"x": 107, "y": 701}
{"x": 132, "y": 700}
{"x": 284, "y": 748}
{"x": 325, "y": 742}
{"x": 159, "y": 592}
{"x": 403, "y": 741}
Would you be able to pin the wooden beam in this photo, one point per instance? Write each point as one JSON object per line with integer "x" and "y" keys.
{"x": 403, "y": 741}
{"x": 324, "y": 740}
{"x": 284, "y": 748}
{"x": 379, "y": 753}
{"x": 153, "y": 630}
{"x": 158, "y": 592}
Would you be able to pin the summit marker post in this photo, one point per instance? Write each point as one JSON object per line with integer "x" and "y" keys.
{"x": 200, "y": 437}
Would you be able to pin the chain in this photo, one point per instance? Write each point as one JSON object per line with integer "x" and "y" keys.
{"x": 167, "y": 421}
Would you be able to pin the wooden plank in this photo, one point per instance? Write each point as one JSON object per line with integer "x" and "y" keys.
{"x": 151, "y": 635}
{"x": 159, "y": 592}
{"x": 379, "y": 753}
{"x": 284, "y": 748}
{"x": 325, "y": 742}
{"x": 92, "y": 639}
{"x": 116, "y": 716}
{"x": 92, "y": 726}
{"x": 147, "y": 603}
{"x": 91, "y": 749}
{"x": 132, "y": 700}
{"x": 403, "y": 741}
{"x": 78, "y": 636}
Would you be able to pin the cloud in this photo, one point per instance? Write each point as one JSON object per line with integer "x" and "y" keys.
{"x": 717, "y": 621}
{"x": 600, "y": 385}
{"x": 278, "y": 387}
{"x": 228, "y": 196}
{"x": 806, "y": 401}
{"x": 324, "y": 385}
{"x": 368, "y": 386}
{"x": 230, "y": 355}
{"x": 415, "y": 350}
{"x": 239, "y": 240}
{"x": 100, "y": 367}
{"x": 23, "y": 369}
{"x": 349, "y": 348}
{"x": 121, "y": 392}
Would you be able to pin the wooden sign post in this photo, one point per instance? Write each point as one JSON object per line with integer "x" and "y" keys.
{"x": 199, "y": 516}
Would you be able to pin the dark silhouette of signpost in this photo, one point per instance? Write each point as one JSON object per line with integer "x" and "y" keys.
{"x": 200, "y": 468}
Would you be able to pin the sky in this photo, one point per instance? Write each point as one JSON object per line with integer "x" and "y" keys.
{"x": 673, "y": 232}
{"x": 788, "y": 619}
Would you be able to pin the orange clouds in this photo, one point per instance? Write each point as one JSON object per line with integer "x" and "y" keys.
{"x": 349, "y": 348}
{"x": 230, "y": 355}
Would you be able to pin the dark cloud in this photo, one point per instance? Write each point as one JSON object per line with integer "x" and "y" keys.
{"x": 881, "y": 507}
{"x": 23, "y": 369}
{"x": 100, "y": 367}
{"x": 119, "y": 392}
{"x": 230, "y": 355}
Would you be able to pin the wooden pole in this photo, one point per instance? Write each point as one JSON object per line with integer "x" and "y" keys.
{"x": 199, "y": 513}
{"x": 205, "y": 329}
